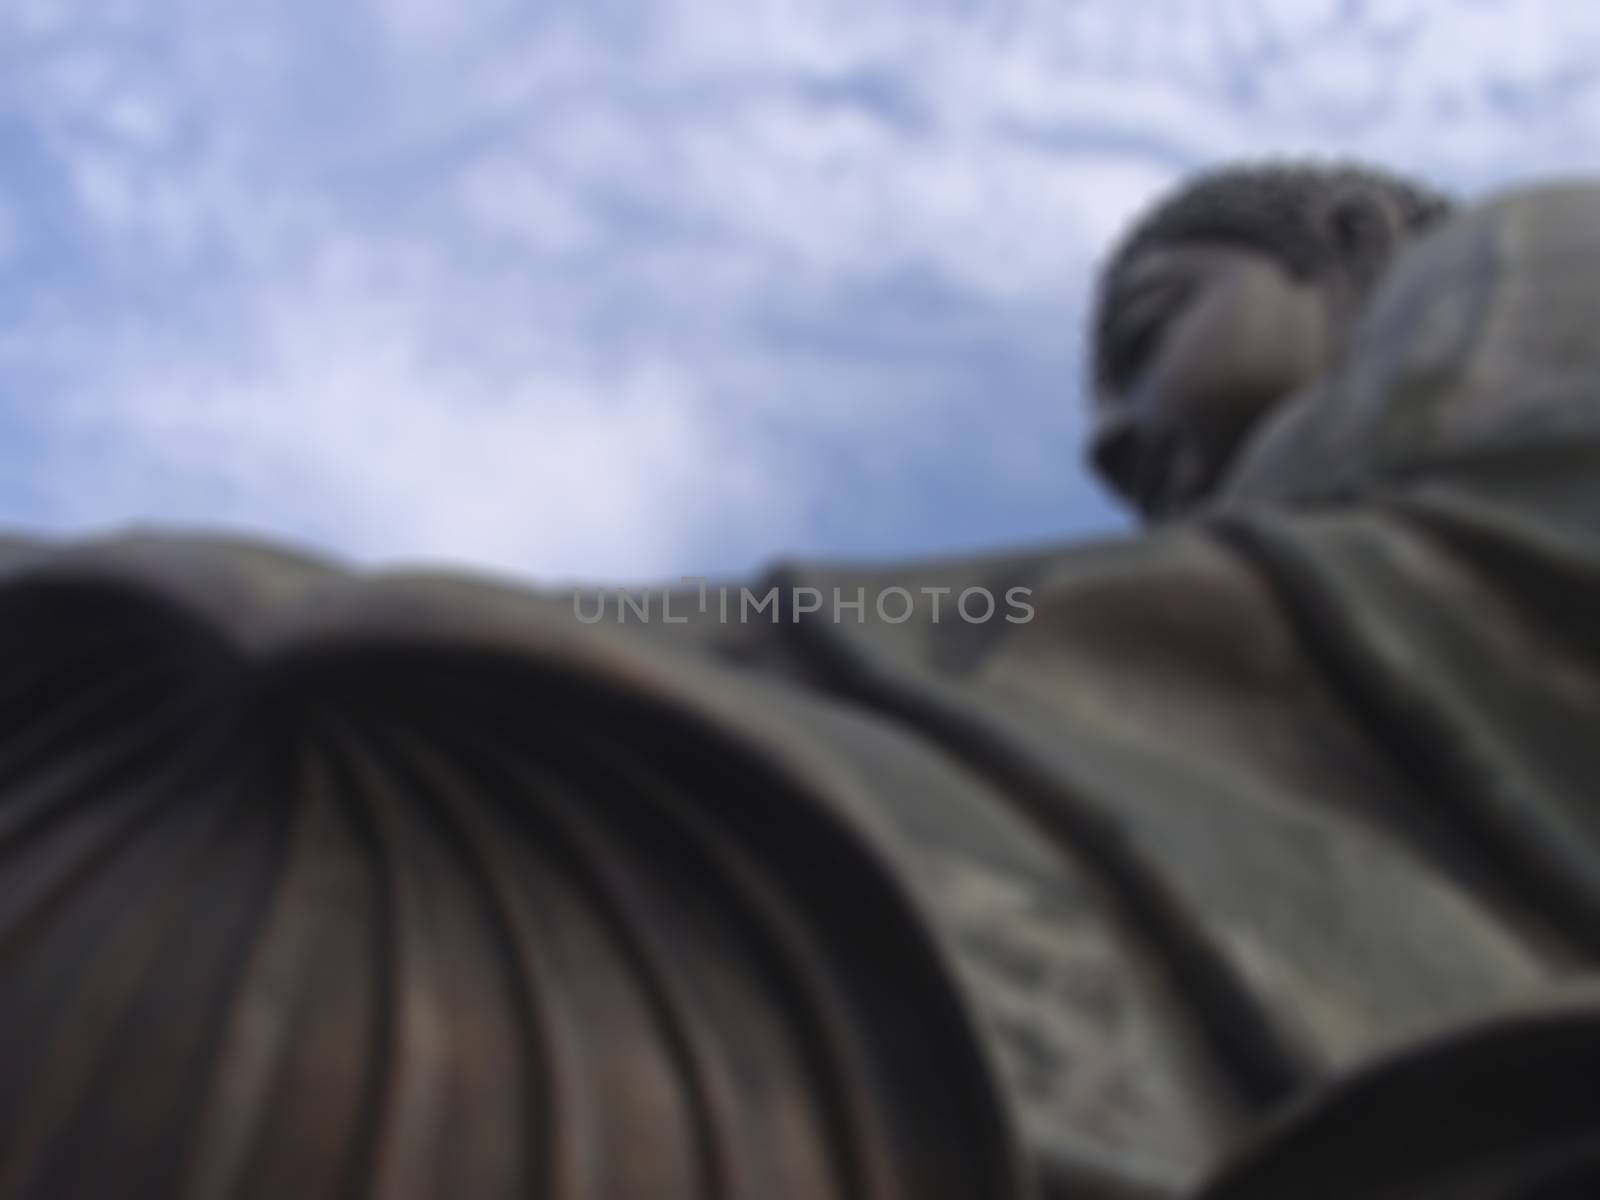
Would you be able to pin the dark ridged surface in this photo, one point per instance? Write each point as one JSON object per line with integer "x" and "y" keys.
{"x": 406, "y": 916}
{"x": 322, "y": 885}
{"x": 1506, "y": 1111}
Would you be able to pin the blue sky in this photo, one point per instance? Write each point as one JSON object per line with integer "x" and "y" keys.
{"x": 623, "y": 290}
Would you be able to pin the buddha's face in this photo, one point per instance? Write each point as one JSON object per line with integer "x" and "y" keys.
{"x": 1204, "y": 337}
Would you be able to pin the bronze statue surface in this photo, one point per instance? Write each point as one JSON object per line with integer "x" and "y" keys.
{"x": 1253, "y": 856}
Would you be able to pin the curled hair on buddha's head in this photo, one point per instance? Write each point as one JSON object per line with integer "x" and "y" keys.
{"x": 1298, "y": 213}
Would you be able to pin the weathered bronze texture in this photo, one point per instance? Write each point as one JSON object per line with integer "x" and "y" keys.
{"x": 1262, "y": 860}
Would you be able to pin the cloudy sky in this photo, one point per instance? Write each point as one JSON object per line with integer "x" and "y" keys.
{"x": 623, "y": 289}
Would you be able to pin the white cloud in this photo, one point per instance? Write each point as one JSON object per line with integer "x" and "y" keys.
{"x": 341, "y": 421}
{"x": 138, "y": 119}
{"x": 594, "y": 289}
{"x": 525, "y": 203}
